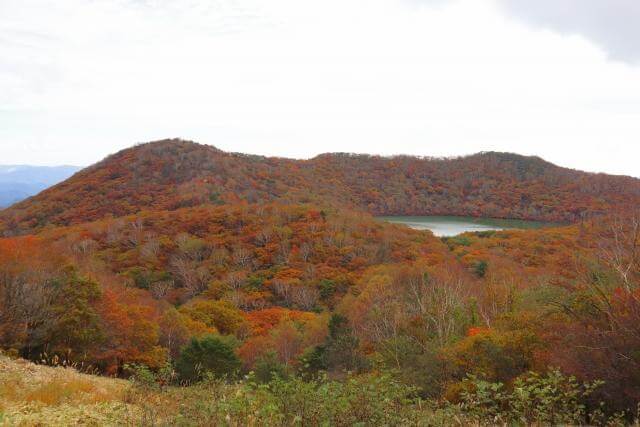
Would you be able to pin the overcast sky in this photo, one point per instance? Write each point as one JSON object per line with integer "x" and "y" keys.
{"x": 80, "y": 79}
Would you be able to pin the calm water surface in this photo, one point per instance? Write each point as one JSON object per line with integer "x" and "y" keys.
{"x": 454, "y": 225}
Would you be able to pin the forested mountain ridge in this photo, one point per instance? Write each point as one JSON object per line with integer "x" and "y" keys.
{"x": 171, "y": 174}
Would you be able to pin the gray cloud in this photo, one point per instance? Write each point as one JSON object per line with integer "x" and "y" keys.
{"x": 612, "y": 24}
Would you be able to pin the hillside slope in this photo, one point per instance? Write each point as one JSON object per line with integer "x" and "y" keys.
{"x": 103, "y": 290}
{"x": 171, "y": 174}
{"x": 34, "y": 395}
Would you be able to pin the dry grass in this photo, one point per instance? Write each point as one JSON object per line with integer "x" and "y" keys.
{"x": 34, "y": 395}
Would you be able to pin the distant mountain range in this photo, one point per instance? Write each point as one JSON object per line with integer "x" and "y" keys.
{"x": 17, "y": 182}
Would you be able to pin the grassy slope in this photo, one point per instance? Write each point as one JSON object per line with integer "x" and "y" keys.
{"x": 35, "y": 395}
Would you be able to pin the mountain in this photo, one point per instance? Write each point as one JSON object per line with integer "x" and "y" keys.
{"x": 170, "y": 174}
{"x": 177, "y": 255}
{"x": 17, "y": 182}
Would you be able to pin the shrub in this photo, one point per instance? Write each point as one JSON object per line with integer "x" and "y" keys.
{"x": 359, "y": 400}
{"x": 144, "y": 377}
{"x": 209, "y": 354}
{"x": 549, "y": 399}
{"x": 268, "y": 367}
{"x": 221, "y": 315}
{"x": 480, "y": 268}
{"x": 497, "y": 356}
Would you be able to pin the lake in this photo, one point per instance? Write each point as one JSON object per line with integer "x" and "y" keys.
{"x": 454, "y": 225}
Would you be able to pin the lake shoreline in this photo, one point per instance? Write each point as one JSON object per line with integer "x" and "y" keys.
{"x": 447, "y": 226}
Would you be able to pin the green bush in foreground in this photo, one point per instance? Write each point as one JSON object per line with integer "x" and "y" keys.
{"x": 375, "y": 400}
{"x": 549, "y": 399}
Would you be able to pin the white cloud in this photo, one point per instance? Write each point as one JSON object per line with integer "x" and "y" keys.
{"x": 80, "y": 79}
{"x": 612, "y": 24}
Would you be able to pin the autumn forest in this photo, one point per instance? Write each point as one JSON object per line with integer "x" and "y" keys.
{"x": 184, "y": 268}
